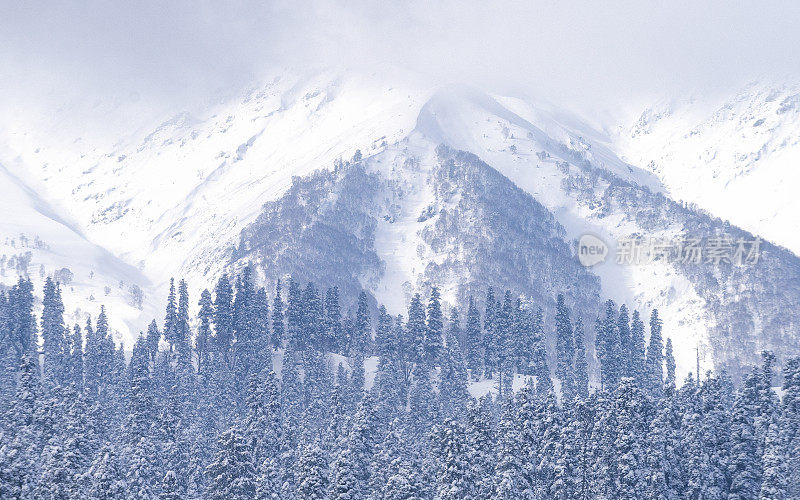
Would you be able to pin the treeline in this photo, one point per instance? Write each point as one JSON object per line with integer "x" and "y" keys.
{"x": 261, "y": 397}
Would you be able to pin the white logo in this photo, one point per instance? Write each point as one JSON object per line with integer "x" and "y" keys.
{"x": 591, "y": 250}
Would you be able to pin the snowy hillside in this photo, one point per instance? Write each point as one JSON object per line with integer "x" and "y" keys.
{"x": 267, "y": 177}
{"x": 36, "y": 241}
{"x": 734, "y": 156}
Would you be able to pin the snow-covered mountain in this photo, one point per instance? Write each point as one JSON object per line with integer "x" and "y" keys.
{"x": 735, "y": 155}
{"x": 392, "y": 185}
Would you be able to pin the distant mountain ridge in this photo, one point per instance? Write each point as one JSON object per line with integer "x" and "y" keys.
{"x": 451, "y": 187}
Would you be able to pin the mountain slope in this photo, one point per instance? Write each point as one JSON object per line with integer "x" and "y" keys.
{"x": 451, "y": 187}
{"x": 734, "y": 156}
{"x": 36, "y": 242}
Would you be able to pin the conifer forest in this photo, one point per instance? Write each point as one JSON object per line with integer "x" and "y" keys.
{"x": 289, "y": 393}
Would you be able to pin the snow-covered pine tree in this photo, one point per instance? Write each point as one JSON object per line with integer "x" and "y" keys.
{"x": 202, "y": 345}
{"x": 474, "y": 351}
{"x": 565, "y": 349}
{"x": 654, "y": 360}
{"x": 625, "y": 342}
{"x": 669, "y": 359}
{"x": 415, "y": 330}
{"x": 232, "y": 475}
{"x": 453, "y": 393}
{"x": 453, "y": 474}
{"x": 312, "y": 473}
{"x": 54, "y": 344}
{"x": 278, "y": 326}
{"x": 637, "y": 355}
{"x": 434, "y": 330}
{"x": 333, "y": 321}
{"x": 581, "y": 368}
{"x": 745, "y": 468}
{"x": 104, "y": 477}
{"x": 223, "y": 318}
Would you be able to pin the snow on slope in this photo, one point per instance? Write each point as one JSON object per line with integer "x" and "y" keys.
{"x": 514, "y": 142}
{"x": 37, "y": 241}
{"x": 173, "y": 198}
{"x": 737, "y": 157}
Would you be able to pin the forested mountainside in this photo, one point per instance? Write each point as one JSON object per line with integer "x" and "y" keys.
{"x": 285, "y": 395}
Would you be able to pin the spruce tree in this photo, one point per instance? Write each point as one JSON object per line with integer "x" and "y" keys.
{"x": 232, "y": 474}
{"x": 53, "y": 333}
{"x": 669, "y": 358}
{"x": 541, "y": 370}
{"x": 278, "y": 327}
{"x": 565, "y": 349}
{"x": 474, "y": 340}
{"x": 654, "y": 360}
{"x": 745, "y": 460}
{"x": 312, "y": 473}
{"x": 625, "y": 342}
{"x": 202, "y": 344}
{"x": 489, "y": 335}
{"x": 333, "y": 321}
{"x": 223, "y": 318}
{"x": 453, "y": 475}
{"x": 581, "y": 368}
{"x": 637, "y": 355}
{"x": 105, "y": 477}
{"x": 416, "y": 329}
{"x": 435, "y": 329}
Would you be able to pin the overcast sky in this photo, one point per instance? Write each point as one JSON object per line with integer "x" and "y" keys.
{"x": 593, "y": 56}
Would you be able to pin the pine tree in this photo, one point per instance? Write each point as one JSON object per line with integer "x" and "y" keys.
{"x": 153, "y": 339}
{"x": 453, "y": 478}
{"x": 202, "y": 344}
{"x": 171, "y": 328}
{"x": 278, "y": 328}
{"x": 53, "y": 333}
{"x": 105, "y": 477}
{"x": 625, "y": 342}
{"x": 169, "y": 487}
{"x": 183, "y": 334}
{"x": 140, "y": 400}
{"x": 489, "y": 335}
{"x": 223, "y": 317}
{"x": 669, "y": 382}
{"x": 333, "y": 322}
{"x": 313, "y": 318}
{"x": 474, "y": 339}
{"x": 140, "y": 475}
{"x": 312, "y": 473}
{"x": 74, "y": 363}
{"x": 416, "y": 328}
{"x": 481, "y": 438}
{"x": 637, "y": 361}
{"x": 565, "y": 349}
{"x": 350, "y": 470}
{"x": 608, "y": 348}
{"x": 654, "y": 361}
{"x": 745, "y": 460}
{"x": 232, "y": 474}
{"x": 362, "y": 336}
{"x": 790, "y": 423}
{"x": 434, "y": 330}
{"x": 773, "y": 486}
{"x": 581, "y": 369}
{"x": 631, "y": 434}
{"x": 511, "y": 481}
{"x": 263, "y": 419}
{"x": 294, "y": 318}
{"x": 541, "y": 370}
{"x": 453, "y": 378}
